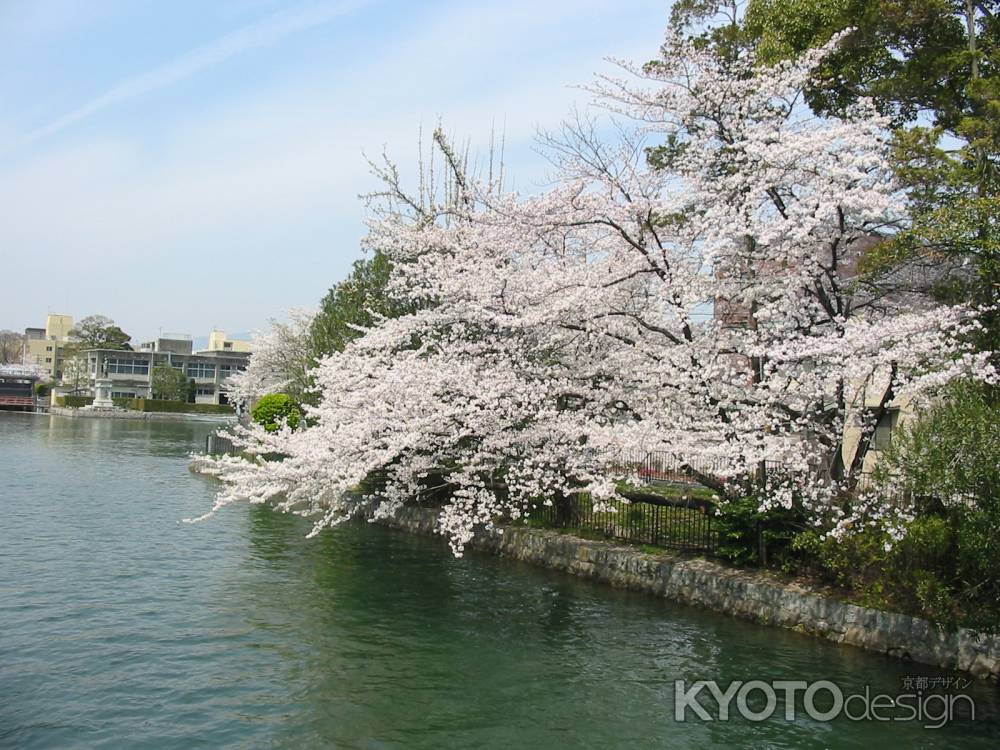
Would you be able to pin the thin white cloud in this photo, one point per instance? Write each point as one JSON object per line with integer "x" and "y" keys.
{"x": 253, "y": 36}
{"x": 210, "y": 196}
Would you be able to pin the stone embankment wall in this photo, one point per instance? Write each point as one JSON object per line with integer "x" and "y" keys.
{"x": 64, "y": 411}
{"x": 752, "y": 595}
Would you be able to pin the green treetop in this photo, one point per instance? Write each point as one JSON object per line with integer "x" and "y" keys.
{"x": 357, "y": 301}
{"x": 169, "y": 383}
{"x": 99, "y": 332}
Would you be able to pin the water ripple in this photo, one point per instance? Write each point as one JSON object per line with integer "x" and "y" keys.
{"x": 120, "y": 627}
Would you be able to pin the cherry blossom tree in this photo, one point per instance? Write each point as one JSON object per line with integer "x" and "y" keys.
{"x": 280, "y": 359}
{"x": 688, "y": 286}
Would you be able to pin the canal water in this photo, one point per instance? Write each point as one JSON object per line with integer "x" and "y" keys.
{"x": 122, "y": 627}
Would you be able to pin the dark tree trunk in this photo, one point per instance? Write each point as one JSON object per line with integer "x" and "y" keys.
{"x": 566, "y": 510}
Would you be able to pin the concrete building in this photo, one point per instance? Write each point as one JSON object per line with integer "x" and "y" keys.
{"x": 217, "y": 342}
{"x": 44, "y": 347}
{"x": 131, "y": 371}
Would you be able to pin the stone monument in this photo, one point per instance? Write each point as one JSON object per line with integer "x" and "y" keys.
{"x": 102, "y": 388}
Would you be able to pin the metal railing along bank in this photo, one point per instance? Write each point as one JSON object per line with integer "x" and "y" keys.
{"x": 218, "y": 445}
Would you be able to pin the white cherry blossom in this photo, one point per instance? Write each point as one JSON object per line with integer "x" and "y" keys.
{"x": 553, "y": 330}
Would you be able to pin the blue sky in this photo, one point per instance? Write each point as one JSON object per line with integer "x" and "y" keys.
{"x": 189, "y": 165}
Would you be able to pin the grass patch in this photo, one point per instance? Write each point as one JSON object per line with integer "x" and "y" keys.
{"x": 670, "y": 491}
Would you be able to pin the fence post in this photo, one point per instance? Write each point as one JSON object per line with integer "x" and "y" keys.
{"x": 761, "y": 545}
{"x": 563, "y": 504}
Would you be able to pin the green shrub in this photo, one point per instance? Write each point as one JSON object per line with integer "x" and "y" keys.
{"x": 977, "y": 567}
{"x": 947, "y": 460}
{"x": 74, "y": 402}
{"x": 913, "y": 575}
{"x": 950, "y": 454}
{"x": 277, "y": 408}
{"x": 168, "y": 383}
{"x": 176, "y": 407}
{"x": 748, "y": 536}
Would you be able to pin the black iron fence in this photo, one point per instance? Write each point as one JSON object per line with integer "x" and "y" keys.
{"x": 219, "y": 445}
{"x": 660, "y": 466}
{"x": 664, "y": 505}
{"x": 678, "y": 524}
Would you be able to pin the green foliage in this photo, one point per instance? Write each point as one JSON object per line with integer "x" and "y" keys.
{"x": 169, "y": 383}
{"x": 909, "y": 56}
{"x": 949, "y": 456}
{"x": 960, "y": 227}
{"x": 719, "y": 25}
{"x": 98, "y": 332}
{"x": 277, "y": 408}
{"x": 42, "y": 389}
{"x": 977, "y": 567}
{"x": 749, "y": 536}
{"x": 358, "y": 300}
{"x": 737, "y": 527}
{"x": 74, "y": 402}
{"x": 176, "y": 407}
{"x": 93, "y": 332}
{"x": 944, "y": 569}
{"x": 947, "y": 566}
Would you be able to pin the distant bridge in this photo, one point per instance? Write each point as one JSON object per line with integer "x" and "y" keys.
{"x": 17, "y": 388}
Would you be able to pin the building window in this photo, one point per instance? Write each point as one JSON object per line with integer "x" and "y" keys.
{"x": 48, "y": 360}
{"x": 128, "y": 367}
{"x": 200, "y": 370}
{"x": 48, "y": 348}
{"x": 206, "y": 391}
{"x": 883, "y": 430}
{"x": 177, "y": 365}
{"x": 122, "y": 394}
{"x": 228, "y": 345}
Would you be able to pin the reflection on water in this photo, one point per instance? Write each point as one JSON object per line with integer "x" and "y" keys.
{"x": 123, "y": 627}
